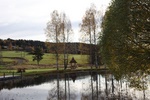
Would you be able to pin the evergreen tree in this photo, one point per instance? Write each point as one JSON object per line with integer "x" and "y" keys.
{"x": 125, "y": 41}
{"x": 37, "y": 54}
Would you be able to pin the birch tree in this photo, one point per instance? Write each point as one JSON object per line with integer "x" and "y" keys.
{"x": 89, "y": 28}
{"x": 58, "y": 31}
{"x": 66, "y": 32}
{"x": 52, "y": 32}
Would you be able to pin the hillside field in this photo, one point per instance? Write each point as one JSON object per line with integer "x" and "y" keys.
{"x": 48, "y": 59}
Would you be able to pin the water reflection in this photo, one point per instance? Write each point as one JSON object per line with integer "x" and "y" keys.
{"x": 79, "y": 86}
{"x": 99, "y": 87}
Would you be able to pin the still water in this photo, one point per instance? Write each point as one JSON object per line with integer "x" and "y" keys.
{"x": 74, "y": 86}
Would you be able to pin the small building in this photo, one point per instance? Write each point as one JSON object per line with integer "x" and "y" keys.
{"x": 73, "y": 63}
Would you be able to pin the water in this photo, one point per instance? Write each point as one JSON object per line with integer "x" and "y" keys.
{"x": 74, "y": 86}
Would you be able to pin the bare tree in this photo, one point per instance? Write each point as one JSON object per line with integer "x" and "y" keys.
{"x": 57, "y": 31}
{"x": 90, "y": 29}
{"x": 52, "y": 32}
{"x": 66, "y": 32}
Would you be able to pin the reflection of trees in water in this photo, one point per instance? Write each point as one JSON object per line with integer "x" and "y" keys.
{"x": 108, "y": 89}
{"x": 139, "y": 81}
{"x": 92, "y": 90}
{"x": 94, "y": 87}
{"x": 62, "y": 90}
{"x": 135, "y": 77}
{"x": 53, "y": 94}
{"x": 27, "y": 81}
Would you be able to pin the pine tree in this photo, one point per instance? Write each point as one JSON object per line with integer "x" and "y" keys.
{"x": 37, "y": 54}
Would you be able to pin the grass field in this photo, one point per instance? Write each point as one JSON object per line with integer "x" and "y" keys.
{"x": 31, "y": 66}
{"x": 47, "y": 58}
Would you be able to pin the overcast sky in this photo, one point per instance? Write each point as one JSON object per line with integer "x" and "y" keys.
{"x": 26, "y": 19}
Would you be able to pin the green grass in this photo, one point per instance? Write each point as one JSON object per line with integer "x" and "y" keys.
{"x": 13, "y": 53}
{"x": 28, "y": 72}
{"x": 7, "y": 72}
{"x": 2, "y": 67}
{"x": 50, "y": 59}
{"x": 42, "y": 71}
{"x": 7, "y": 60}
{"x": 47, "y": 58}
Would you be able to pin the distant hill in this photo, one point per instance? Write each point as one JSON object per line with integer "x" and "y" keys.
{"x": 47, "y": 47}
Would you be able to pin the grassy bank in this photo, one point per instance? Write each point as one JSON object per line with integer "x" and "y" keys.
{"x": 30, "y": 72}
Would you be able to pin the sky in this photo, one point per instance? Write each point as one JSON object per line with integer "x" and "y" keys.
{"x": 27, "y": 19}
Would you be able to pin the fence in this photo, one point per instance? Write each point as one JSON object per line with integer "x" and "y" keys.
{"x": 10, "y": 76}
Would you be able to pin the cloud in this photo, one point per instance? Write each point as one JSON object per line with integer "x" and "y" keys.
{"x": 23, "y": 18}
{"x": 23, "y": 30}
{"x": 14, "y": 27}
{"x": 28, "y": 35}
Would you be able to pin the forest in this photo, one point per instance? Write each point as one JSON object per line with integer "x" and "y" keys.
{"x": 47, "y": 47}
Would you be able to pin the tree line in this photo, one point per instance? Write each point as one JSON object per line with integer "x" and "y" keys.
{"x": 47, "y": 47}
{"x": 59, "y": 34}
{"x": 125, "y": 43}
{"x": 121, "y": 36}
{"x": 59, "y": 30}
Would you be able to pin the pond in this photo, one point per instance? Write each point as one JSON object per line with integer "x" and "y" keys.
{"x": 74, "y": 86}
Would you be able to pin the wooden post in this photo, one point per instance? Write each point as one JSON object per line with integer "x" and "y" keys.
{"x": 21, "y": 74}
{"x": 13, "y": 74}
{"x": 4, "y": 75}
